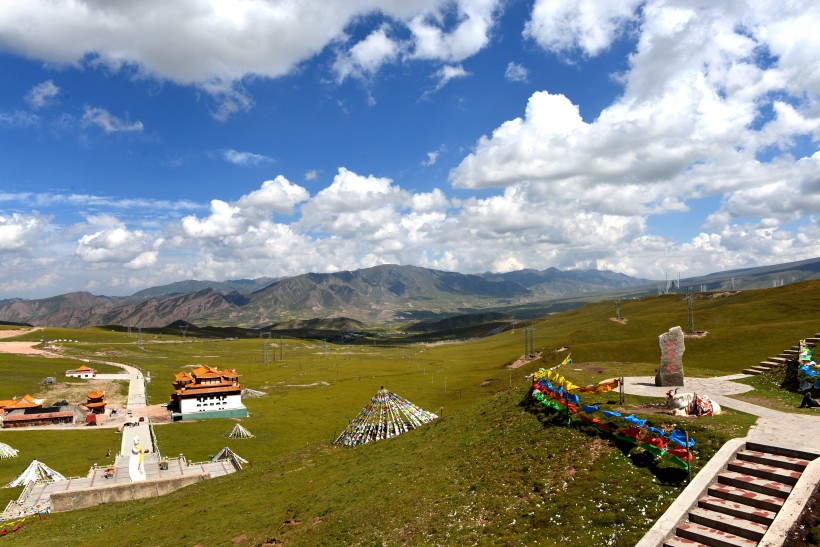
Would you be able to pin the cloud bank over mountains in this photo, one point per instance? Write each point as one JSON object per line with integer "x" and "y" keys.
{"x": 718, "y": 123}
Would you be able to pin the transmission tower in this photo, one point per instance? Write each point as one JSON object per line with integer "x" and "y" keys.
{"x": 139, "y": 337}
{"x": 618, "y": 308}
{"x": 528, "y": 341}
{"x": 183, "y": 329}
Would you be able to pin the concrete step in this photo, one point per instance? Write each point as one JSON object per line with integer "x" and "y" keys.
{"x": 779, "y": 360}
{"x": 755, "y": 484}
{"x": 736, "y": 509}
{"x": 813, "y": 341}
{"x": 764, "y": 471}
{"x": 755, "y": 370}
{"x": 775, "y": 460}
{"x": 710, "y": 536}
{"x": 728, "y": 523}
{"x": 769, "y": 364}
{"x": 790, "y": 452}
{"x": 676, "y": 541}
{"x": 749, "y": 497}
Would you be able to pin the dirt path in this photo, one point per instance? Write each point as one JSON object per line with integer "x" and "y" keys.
{"x": 22, "y": 348}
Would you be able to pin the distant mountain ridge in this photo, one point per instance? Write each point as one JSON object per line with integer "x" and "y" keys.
{"x": 386, "y": 293}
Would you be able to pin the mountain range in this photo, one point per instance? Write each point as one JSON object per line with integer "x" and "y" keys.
{"x": 381, "y": 294}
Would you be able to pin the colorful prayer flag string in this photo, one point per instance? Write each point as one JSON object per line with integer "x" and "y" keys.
{"x": 672, "y": 447}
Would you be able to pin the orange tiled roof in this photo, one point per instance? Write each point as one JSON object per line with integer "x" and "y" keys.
{"x": 208, "y": 389}
{"x": 82, "y": 367}
{"x": 204, "y": 371}
{"x": 98, "y": 404}
{"x": 96, "y": 394}
{"x": 26, "y": 401}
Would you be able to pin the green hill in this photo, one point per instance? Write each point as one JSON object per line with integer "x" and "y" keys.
{"x": 491, "y": 471}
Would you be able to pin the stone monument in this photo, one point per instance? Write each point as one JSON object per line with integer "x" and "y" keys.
{"x": 670, "y": 372}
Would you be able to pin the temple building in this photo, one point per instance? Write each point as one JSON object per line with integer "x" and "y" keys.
{"x": 96, "y": 402}
{"x": 81, "y": 372}
{"x": 24, "y": 402}
{"x": 207, "y": 392}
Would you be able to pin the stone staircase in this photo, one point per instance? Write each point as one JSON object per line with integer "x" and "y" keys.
{"x": 780, "y": 360}
{"x": 744, "y": 498}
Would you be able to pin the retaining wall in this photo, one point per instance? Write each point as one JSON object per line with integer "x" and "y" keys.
{"x": 69, "y": 500}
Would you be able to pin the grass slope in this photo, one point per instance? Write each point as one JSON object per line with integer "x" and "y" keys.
{"x": 465, "y": 478}
{"x": 494, "y": 473}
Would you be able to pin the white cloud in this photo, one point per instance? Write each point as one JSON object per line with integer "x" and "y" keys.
{"x": 684, "y": 127}
{"x": 245, "y": 159}
{"x": 432, "y": 40}
{"x": 42, "y": 94}
{"x": 119, "y": 245}
{"x": 279, "y": 195}
{"x": 313, "y": 174}
{"x": 432, "y": 158}
{"x": 18, "y": 118}
{"x": 108, "y": 122}
{"x": 445, "y": 74}
{"x": 18, "y": 232}
{"x": 516, "y": 73}
{"x": 216, "y": 46}
{"x": 586, "y": 25}
{"x": 366, "y": 57}
{"x": 234, "y": 219}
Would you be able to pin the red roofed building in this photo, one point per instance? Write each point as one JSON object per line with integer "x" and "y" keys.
{"x": 207, "y": 392}
{"x": 26, "y": 401}
{"x": 96, "y": 402}
{"x": 81, "y": 371}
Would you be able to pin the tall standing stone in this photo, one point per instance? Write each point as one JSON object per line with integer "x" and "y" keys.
{"x": 671, "y": 371}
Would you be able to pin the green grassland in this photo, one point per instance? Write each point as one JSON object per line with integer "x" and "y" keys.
{"x": 490, "y": 471}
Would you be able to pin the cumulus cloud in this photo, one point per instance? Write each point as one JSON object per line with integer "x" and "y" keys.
{"x": 586, "y": 25}
{"x": 215, "y": 46}
{"x": 366, "y": 57}
{"x": 19, "y": 231}
{"x": 118, "y": 244}
{"x": 434, "y": 40}
{"x": 42, "y": 94}
{"x": 687, "y": 126}
{"x": 231, "y": 219}
{"x": 108, "y": 122}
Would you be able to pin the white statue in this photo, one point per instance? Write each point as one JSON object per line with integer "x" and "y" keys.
{"x": 136, "y": 465}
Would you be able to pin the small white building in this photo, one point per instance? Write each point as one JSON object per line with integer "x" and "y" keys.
{"x": 81, "y": 372}
{"x": 207, "y": 392}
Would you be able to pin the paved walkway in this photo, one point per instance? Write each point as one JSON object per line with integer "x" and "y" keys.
{"x": 791, "y": 430}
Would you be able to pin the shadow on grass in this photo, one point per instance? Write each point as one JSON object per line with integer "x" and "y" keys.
{"x": 665, "y": 474}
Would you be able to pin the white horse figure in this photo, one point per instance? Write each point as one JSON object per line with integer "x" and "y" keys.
{"x": 691, "y": 404}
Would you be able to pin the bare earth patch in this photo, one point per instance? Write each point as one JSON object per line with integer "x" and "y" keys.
{"x": 76, "y": 393}
{"x": 524, "y": 359}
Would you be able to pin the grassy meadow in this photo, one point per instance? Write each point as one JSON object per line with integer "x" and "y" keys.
{"x": 492, "y": 470}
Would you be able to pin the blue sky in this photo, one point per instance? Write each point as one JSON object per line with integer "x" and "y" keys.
{"x": 152, "y": 142}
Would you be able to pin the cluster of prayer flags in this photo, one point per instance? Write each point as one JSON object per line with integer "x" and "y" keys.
{"x": 554, "y": 391}
{"x": 386, "y": 416}
{"x": 808, "y": 372}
